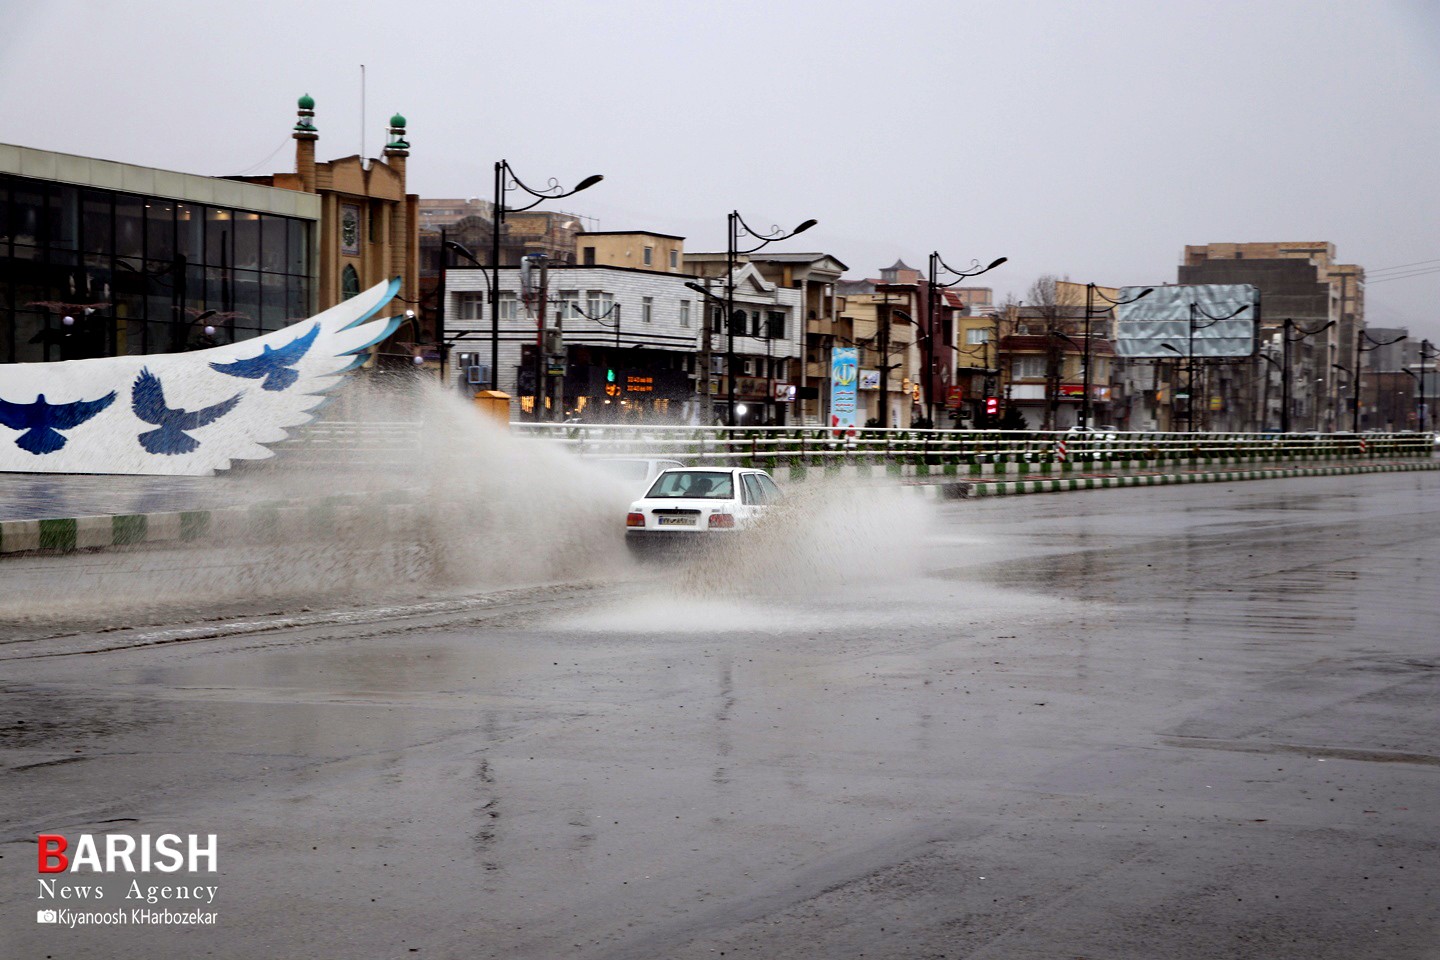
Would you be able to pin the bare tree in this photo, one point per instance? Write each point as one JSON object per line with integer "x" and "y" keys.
{"x": 1047, "y": 300}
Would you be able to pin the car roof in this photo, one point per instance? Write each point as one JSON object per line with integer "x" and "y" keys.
{"x": 710, "y": 469}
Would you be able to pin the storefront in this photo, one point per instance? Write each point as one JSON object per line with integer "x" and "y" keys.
{"x": 620, "y": 389}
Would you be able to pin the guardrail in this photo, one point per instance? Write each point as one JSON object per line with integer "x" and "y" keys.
{"x": 816, "y": 446}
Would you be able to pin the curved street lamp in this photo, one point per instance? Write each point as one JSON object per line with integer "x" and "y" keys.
{"x": 932, "y": 294}
{"x": 505, "y": 181}
{"x": 1195, "y": 313}
{"x": 442, "y": 345}
{"x": 1285, "y": 341}
{"x": 734, "y": 224}
{"x": 1091, "y": 292}
{"x": 1360, "y": 337}
{"x": 1425, "y": 354}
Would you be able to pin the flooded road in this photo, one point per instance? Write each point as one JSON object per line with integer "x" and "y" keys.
{"x": 1170, "y": 722}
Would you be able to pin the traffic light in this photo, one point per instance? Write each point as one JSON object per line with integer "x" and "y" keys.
{"x": 609, "y": 376}
{"x": 992, "y": 406}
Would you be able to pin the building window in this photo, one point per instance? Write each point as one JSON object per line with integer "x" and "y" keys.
{"x": 755, "y": 323}
{"x": 349, "y": 282}
{"x": 470, "y": 306}
{"x": 599, "y": 304}
{"x": 674, "y": 259}
{"x": 776, "y": 325}
{"x": 588, "y": 255}
{"x": 649, "y": 256}
{"x": 977, "y": 335}
{"x": 1028, "y": 368}
{"x": 684, "y": 313}
{"x": 569, "y": 308}
{"x": 647, "y": 308}
{"x": 509, "y": 307}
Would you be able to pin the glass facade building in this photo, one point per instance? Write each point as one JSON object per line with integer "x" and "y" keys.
{"x": 141, "y": 273}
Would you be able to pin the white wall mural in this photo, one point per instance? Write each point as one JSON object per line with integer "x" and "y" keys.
{"x": 186, "y": 414}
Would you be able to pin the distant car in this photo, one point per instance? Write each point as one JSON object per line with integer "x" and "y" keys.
{"x": 688, "y": 506}
{"x": 636, "y": 472}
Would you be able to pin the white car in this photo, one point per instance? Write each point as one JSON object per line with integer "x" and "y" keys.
{"x": 686, "y": 506}
{"x": 637, "y": 472}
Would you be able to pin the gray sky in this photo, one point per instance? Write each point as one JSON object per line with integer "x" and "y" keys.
{"x": 1090, "y": 140}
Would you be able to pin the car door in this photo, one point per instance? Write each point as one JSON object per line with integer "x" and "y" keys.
{"x": 752, "y": 497}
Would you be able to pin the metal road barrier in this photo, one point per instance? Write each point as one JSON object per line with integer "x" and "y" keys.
{"x": 818, "y": 446}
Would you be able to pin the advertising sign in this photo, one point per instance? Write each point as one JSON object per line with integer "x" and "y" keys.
{"x": 1212, "y": 320}
{"x": 844, "y": 375}
{"x": 869, "y": 379}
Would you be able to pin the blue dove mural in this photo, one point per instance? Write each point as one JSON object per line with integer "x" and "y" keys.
{"x": 42, "y": 421}
{"x": 147, "y": 397}
{"x": 192, "y": 413}
{"x": 274, "y": 365}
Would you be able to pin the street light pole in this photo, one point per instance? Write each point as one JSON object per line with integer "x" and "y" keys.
{"x": 707, "y": 400}
{"x": 442, "y": 345}
{"x": 1195, "y": 313}
{"x": 505, "y": 180}
{"x": 933, "y": 287}
{"x": 1360, "y": 348}
{"x": 1285, "y": 340}
{"x": 1425, "y": 354}
{"x": 734, "y": 223}
{"x": 1090, "y": 294}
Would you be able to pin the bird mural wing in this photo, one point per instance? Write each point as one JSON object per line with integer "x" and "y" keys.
{"x": 195, "y": 419}
{"x": 41, "y": 421}
{"x": 147, "y": 398}
{"x": 68, "y": 416}
{"x": 16, "y": 416}
{"x": 240, "y": 398}
{"x": 272, "y": 364}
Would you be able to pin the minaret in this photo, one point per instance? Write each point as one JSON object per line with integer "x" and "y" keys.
{"x": 397, "y": 149}
{"x": 395, "y": 153}
{"x": 305, "y": 136}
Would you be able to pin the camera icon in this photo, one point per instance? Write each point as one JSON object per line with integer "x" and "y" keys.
{"x": 46, "y": 916}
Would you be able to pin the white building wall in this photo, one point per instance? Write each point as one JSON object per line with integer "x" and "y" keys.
{"x": 629, "y": 288}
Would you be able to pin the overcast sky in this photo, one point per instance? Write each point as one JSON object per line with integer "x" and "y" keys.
{"x": 1087, "y": 140}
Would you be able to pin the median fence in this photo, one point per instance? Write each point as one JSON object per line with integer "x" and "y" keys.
{"x": 977, "y": 454}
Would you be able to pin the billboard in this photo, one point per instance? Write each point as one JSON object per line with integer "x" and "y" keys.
{"x": 1170, "y": 320}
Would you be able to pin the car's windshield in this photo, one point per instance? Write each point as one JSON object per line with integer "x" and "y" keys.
{"x": 694, "y": 484}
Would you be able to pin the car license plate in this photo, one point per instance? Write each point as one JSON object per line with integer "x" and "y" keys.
{"x": 677, "y": 521}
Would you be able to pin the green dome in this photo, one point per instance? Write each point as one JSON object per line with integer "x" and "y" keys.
{"x": 397, "y": 121}
{"x": 307, "y": 102}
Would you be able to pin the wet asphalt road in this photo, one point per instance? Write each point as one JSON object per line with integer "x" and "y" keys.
{"x": 1180, "y": 722}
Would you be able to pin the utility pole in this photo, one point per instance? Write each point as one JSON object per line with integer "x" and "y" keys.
{"x": 882, "y": 336}
{"x": 707, "y": 397}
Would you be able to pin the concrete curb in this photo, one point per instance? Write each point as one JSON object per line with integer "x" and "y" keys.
{"x": 261, "y": 523}
{"x": 999, "y": 488}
